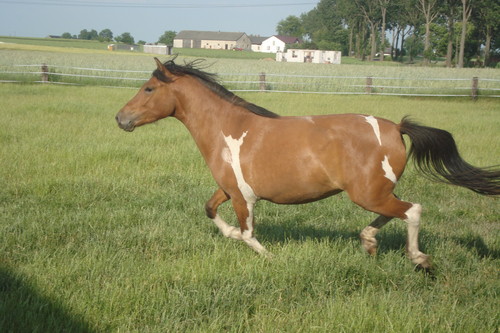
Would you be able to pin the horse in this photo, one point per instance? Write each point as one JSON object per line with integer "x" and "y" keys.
{"x": 254, "y": 154}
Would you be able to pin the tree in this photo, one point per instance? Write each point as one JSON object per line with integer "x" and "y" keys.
{"x": 88, "y": 35}
{"x": 167, "y": 38}
{"x": 106, "y": 35}
{"x": 66, "y": 35}
{"x": 371, "y": 13}
{"x": 83, "y": 34}
{"x": 451, "y": 8}
{"x": 487, "y": 19}
{"x": 291, "y": 26}
{"x": 430, "y": 9}
{"x": 384, "y": 5}
{"x": 125, "y": 38}
{"x": 466, "y": 13}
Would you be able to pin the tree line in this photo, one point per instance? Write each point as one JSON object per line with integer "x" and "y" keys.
{"x": 464, "y": 32}
{"x": 106, "y": 35}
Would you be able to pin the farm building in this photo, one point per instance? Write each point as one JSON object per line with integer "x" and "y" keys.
{"x": 158, "y": 49}
{"x": 212, "y": 40}
{"x": 123, "y": 47}
{"x": 277, "y": 43}
{"x": 257, "y": 43}
{"x": 312, "y": 56}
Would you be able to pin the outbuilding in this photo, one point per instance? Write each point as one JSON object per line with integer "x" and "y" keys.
{"x": 217, "y": 40}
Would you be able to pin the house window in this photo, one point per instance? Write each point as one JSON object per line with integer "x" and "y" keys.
{"x": 294, "y": 55}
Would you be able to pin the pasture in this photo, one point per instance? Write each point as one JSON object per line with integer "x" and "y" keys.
{"x": 105, "y": 231}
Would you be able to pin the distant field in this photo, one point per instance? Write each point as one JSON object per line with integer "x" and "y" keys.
{"x": 96, "y": 45}
{"x": 105, "y": 231}
{"x": 130, "y": 69}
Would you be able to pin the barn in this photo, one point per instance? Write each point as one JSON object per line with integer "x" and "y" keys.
{"x": 217, "y": 40}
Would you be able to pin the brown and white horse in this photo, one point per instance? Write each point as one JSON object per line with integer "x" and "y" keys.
{"x": 254, "y": 154}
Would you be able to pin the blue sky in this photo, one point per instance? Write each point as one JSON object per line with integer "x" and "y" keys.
{"x": 145, "y": 20}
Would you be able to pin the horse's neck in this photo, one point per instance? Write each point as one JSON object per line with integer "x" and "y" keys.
{"x": 208, "y": 117}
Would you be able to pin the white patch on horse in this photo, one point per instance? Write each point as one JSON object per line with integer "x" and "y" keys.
{"x": 233, "y": 157}
{"x": 247, "y": 235}
{"x": 226, "y": 229}
{"x": 309, "y": 119}
{"x": 413, "y": 219}
{"x": 226, "y": 155}
{"x": 389, "y": 173}
{"x": 373, "y": 121}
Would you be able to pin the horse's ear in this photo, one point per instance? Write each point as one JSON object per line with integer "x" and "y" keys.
{"x": 161, "y": 68}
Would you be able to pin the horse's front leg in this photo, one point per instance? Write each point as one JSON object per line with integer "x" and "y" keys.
{"x": 244, "y": 212}
{"x": 367, "y": 236}
{"x": 218, "y": 198}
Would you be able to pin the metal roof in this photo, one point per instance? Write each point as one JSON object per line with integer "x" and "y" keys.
{"x": 209, "y": 35}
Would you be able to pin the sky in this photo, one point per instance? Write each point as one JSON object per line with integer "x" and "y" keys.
{"x": 145, "y": 20}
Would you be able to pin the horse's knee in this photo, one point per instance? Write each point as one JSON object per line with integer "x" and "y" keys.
{"x": 210, "y": 210}
{"x": 215, "y": 201}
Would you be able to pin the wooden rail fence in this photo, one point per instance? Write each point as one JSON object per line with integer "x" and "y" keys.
{"x": 268, "y": 82}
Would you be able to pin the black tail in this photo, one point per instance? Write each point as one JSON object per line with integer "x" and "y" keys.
{"x": 435, "y": 153}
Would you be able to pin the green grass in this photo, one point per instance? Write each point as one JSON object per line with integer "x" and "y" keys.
{"x": 104, "y": 231}
{"x": 56, "y": 42}
{"x": 236, "y": 72}
{"x": 93, "y": 45}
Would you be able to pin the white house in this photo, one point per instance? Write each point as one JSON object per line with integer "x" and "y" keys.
{"x": 312, "y": 56}
{"x": 277, "y": 43}
{"x": 257, "y": 43}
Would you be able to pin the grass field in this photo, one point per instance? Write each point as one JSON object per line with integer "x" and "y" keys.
{"x": 238, "y": 72}
{"x": 105, "y": 231}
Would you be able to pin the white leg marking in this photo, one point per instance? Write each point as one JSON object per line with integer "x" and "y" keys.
{"x": 247, "y": 234}
{"x": 373, "y": 121}
{"x": 413, "y": 220}
{"x": 226, "y": 229}
{"x": 389, "y": 173}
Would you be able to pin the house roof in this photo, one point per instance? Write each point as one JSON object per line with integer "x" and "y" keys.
{"x": 288, "y": 39}
{"x": 257, "y": 39}
{"x": 209, "y": 35}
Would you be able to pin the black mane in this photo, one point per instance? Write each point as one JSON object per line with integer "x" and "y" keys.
{"x": 210, "y": 80}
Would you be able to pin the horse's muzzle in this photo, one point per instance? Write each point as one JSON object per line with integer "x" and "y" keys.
{"x": 124, "y": 122}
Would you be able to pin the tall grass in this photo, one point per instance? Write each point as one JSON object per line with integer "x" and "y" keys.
{"x": 103, "y": 230}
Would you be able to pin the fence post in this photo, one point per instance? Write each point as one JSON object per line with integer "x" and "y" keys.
{"x": 262, "y": 80}
{"x": 475, "y": 85}
{"x": 369, "y": 82}
{"x": 45, "y": 73}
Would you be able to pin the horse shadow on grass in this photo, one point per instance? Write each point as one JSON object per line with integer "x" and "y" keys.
{"x": 389, "y": 239}
{"x": 476, "y": 243}
{"x": 24, "y": 309}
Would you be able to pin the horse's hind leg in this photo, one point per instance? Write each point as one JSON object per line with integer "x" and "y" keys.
{"x": 218, "y": 198}
{"x": 408, "y": 212}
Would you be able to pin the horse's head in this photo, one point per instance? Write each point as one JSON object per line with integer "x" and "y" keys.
{"x": 154, "y": 101}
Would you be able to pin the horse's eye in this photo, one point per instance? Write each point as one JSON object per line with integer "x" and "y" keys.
{"x": 148, "y": 89}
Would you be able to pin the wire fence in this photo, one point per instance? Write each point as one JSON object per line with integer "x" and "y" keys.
{"x": 473, "y": 87}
